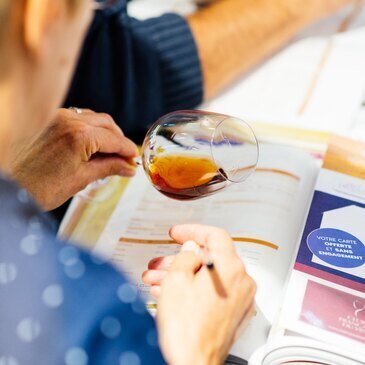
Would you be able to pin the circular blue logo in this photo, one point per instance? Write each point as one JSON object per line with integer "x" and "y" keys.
{"x": 336, "y": 247}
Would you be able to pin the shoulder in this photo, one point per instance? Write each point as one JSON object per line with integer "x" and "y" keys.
{"x": 58, "y": 302}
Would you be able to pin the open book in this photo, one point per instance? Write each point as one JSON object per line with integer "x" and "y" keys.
{"x": 298, "y": 228}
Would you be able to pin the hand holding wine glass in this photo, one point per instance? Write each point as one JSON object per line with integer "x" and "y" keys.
{"x": 192, "y": 154}
{"x": 71, "y": 152}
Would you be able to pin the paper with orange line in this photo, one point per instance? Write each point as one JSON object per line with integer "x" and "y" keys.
{"x": 263, "y": 215}
{"x": 169, "y": 242}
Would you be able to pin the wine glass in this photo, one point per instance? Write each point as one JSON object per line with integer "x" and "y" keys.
{"x": 191, "y": 154}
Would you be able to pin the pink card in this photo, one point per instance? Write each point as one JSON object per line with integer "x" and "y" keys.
{"x": 334, "y": 310}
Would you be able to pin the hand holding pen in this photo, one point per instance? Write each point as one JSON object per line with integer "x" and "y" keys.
{"x": 207, "y": 287}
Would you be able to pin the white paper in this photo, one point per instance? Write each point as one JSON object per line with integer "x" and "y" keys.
{"x": 268, "y": 208}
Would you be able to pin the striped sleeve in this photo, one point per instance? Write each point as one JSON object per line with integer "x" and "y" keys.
{"x": 180, "y": 69}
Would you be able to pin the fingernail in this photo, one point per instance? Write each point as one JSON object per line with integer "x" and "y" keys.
{"x": 128, "y": 171}
{"x": 190, "y": 246}
{"x": 131, "y": 161}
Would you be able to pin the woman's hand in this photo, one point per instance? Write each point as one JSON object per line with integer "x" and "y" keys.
{"x": 74, "y": 150}
{"x": 200, "y": 311}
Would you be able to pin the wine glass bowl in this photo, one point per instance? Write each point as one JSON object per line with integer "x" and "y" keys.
{"x": 192, "y": 154}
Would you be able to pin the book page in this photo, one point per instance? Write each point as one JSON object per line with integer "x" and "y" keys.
{"x": 263, "y": 215}
{"x": 312, "y": 352}
{"x": 330, "y": 263}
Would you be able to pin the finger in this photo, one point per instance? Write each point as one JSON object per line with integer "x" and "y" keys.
{"x": 191, "y": 245}
{"x": 107, "y": 141}
{"x": 215, "y": 238}
{"x": 187, "y": 262}
{"x": 246, "y": 319}
{"x": 161, "y": 263}
{"x": 153, "y": 277}
{"x": 155, "y": 291}
{"x": 102, "y": 120}
{"x": 100, "y": 168}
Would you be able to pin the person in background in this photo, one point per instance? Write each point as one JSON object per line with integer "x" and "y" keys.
{"x": 136, "y": 71}
{"x": 59, "y": 305}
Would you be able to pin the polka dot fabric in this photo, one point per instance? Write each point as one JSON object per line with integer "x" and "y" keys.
{"x": 58, "y": 304}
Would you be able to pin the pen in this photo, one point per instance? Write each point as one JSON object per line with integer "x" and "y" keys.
{"x": 207, "y": 259}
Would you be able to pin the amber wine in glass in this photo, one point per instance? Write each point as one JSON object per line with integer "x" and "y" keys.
{"x": 189, "y": 154}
